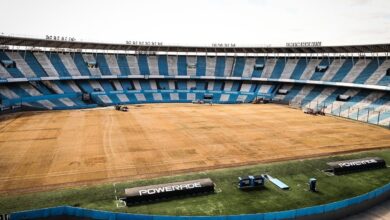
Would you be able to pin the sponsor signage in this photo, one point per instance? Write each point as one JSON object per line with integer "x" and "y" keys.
{"x": 169, "y": 188}
{"x": 339, "y": 167}
{"x": 144, "y": 43}
{"x": 223, "y": 45}
{"x": 155, "y": 192}
{"x": 60, "y": 38}
{"x": 304, "y": 44}
{"x": 357, "y": 163}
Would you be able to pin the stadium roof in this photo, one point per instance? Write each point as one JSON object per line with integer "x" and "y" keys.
{"x": 36, "y": 42}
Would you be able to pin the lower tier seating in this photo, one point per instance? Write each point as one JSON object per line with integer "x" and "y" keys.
{"x": 366, "y": 105}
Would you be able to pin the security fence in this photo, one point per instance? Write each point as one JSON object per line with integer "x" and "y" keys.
{"x": 378, "y": 115}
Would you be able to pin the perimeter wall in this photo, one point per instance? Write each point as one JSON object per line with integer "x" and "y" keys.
{"x": 334, "y": 210}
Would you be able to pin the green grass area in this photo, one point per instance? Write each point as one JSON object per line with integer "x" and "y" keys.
{"x": 229, "y": 199}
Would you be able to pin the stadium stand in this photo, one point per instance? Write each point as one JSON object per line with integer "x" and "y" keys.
{"x": 69, "y": 64}
{"x": 123, "y": 65}
{"x": 310, "y": 69}
{"x": 59, "y": 67}
{"x": 278, "y": 68}
{"x": 321, "y": 68}
{"x": 46, "y": 64}
{"x": 357, "y": 68}
{"x": 299, "y": 68}
{"x": 57, "y": 80}
{"x": 289, "y": 68}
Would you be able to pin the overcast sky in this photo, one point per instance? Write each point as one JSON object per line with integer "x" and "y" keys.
{"x": 202, "y": 22}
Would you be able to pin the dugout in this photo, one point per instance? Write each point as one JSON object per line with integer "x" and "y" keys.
{"x": 348, "y": 166}
{"x": 208, "y": 98}
{"x": 169, "y": 190}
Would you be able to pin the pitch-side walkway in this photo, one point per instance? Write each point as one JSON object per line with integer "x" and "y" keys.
{"x": 378, "y": 212}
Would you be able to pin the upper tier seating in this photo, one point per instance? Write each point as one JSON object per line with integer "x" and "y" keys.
{"x": 51, "y": 80}
{"x": 369, "y": 70}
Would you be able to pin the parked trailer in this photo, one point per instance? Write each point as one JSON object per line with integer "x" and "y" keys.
{"x": 122, "y": 108}
{"x": 248, "y": 182}
{"x": 169, "y": 190}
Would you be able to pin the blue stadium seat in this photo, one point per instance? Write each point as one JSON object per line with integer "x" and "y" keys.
{"x": 163, "y": 65}
{"x": 220, "y": 66}
{"x": 182, "y": 65}
{"x": 279, "y": 67}
{"x": 58, "y": 65}
{"x": 370, "y": 69}
{"x": 239, "y": 66}
{"x": 299, "y": 69}
{"x": 33, "y": 63}
{"x": 123, "y": 65}
{"x": 293, "y": 92}
{"x": 102, "y": 64}
{"x": 258, "y": 72}
{"x": 343, "y": 71}
{"x": 143, "y": 64}
{"x": 316, "y": 91}
{"x": 15, "y": 72}
{"x": 318, "y": 75}
{"x": 200, "y": 66}
{"x": 81, "y": 65}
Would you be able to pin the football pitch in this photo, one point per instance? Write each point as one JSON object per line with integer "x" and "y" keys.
{"x": 56, "y": 149}
{"x": 227, "y": 199}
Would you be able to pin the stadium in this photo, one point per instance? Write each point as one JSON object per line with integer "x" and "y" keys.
{"x": 147, "y": 130}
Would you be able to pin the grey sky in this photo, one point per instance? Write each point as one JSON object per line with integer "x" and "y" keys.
{"x": 244, "y": 22}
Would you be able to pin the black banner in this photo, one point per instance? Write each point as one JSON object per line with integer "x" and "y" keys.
{"x": 340, "y": 167}
{"x": 153, "y": 192}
